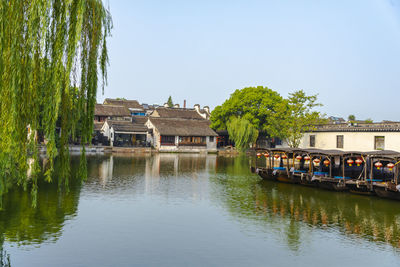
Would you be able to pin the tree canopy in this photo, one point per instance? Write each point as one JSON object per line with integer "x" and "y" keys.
{"x": 51, "y": 52}
{"x": 169, "y": 102}
{"x": 351, "y": 118}
{"x": 258, "y": 105}
{"x": 299, "y": 117}
{"x": 268, "y": 112}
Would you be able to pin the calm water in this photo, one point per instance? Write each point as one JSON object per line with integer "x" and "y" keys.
{"x": 193, "y": 210}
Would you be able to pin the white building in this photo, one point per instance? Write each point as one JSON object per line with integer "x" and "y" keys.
{"x": 181, "y": 135}
{"x": 357, "y": 137}
{"x": 125, "y": 133}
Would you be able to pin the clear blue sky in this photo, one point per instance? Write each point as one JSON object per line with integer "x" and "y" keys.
{"x": 347, "y": 51}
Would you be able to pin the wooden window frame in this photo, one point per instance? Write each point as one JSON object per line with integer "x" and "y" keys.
{"x": 312, "y": 140}
{"x": 376, "y": 137}
{"x": 339, "y": 144}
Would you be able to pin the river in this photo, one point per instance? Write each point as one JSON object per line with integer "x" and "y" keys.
{"x": 193, "y": 210}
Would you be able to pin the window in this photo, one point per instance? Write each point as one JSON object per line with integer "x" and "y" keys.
{"x": 312, "y": 140}
{"x": 339, "y": 141}
{"x": 211, "y": 138}
{"x": 192, "y": 140}
{"x": 167, "y": 140}
{"x": 379, "y": 142}
{"x": 278, "y": 141}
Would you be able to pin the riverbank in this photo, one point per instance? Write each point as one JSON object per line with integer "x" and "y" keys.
{"x": 77, "y": 149}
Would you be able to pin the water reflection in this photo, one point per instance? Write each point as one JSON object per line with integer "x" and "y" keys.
{"x": 24, "y": 225}
{"x": 287, "y": 208}
{"x": 165, "y": 175}
{"x": 140, "y": 188}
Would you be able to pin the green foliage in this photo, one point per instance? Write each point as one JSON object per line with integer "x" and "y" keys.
{"x": 266, "y": 111}
{"x": 351, "y": 118}
{"x": 51, "y": 51}
{"x": 299, "y": 117}
{"x": 242, "y": 132}
{"x": 169, "y": 102}
{"x": 369, "y": 120}
{"x": 258, "y": 105}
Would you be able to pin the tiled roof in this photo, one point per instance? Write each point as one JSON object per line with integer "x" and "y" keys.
{"x": 181, "y": 113}
{"x": 359, "y": 127}
{"x": 126, "y": 126}
{"x": 182, "y": 127}
{"x": 131, "y": 104}
{"x": 111, "y": 110}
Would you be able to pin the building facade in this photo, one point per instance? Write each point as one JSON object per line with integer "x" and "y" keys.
{"x": 181, "y": 135}
{"x": 354, "y": 137}
{"x": 125, "y": 133}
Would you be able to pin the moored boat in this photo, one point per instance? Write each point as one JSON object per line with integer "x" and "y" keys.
{"x": 366, "y": 173}
{"x": 384, "y": 173}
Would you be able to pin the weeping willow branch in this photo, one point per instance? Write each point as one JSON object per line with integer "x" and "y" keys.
{"x": 242, "y": 132}
{"x": 44, "y": 46}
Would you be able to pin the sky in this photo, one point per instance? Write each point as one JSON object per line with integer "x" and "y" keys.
{"x": 346, "y": 51}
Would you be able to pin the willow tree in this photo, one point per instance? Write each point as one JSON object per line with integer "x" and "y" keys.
{"x": 242, "y": 132}
{"x": 51, "y": 53}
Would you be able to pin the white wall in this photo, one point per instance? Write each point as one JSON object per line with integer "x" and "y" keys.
{"x": 211, "y": 145}
{"x": 352, "y": 141}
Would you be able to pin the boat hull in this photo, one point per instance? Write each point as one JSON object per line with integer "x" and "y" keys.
{"x": 304, "y": 179}
{"x": 387, "y": 193}
{"x": 284, "y": 178}
{"x": 332, "y": 186}
{"x": 266, "y": 174}
{"x": 360, "y": 189}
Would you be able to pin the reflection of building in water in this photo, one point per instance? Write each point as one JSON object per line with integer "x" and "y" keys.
{"x": 166, "y": 174}
{"x": 164, "y": 171}
{"x": 106, "y": 170}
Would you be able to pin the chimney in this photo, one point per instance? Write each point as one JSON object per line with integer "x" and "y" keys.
{"x": 197, "y": 107}
{"x": 184, "y": 103}
{"x": 207, "y": 109}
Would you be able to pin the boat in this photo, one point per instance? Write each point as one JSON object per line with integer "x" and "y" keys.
{"x": 301, "y": 167}
{"x": 384, "y": 173}
{"x": 276, "y": 164}
{"x": 365, "y": 173}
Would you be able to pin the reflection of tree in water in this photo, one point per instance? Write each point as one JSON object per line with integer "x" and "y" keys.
{"x": 4, "y": 257}
{"x": 288, "y": 207}
{"x": 22, "y": 224}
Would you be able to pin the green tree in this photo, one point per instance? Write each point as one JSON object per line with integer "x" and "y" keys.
{"x": 169, "y": 102}
{"x": 298, "y": 117}
{"x": 369, "y": 120}
{"x": 242, "y": 132}
{"x": 351, "y": 118}
{"x": 258, "y": 105}
{"x": 47, "y": 48}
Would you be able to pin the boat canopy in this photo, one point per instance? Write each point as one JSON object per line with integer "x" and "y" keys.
{"x": 333, "y": 152}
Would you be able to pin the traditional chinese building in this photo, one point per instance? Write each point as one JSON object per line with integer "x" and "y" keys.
{"x": 354, "y": 137}
{"x": 177, "y": 134}
{"x": 133, "y": 105}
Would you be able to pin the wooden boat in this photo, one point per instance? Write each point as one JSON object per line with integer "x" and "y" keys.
{"x": 300, "y": 170}
{"x": 384, "y": 173}
{"x": 276, "y": 165}
{"x": 327, "y": 169}
{"x": 366, "y": 173}
{"x": 356, "y": 171}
